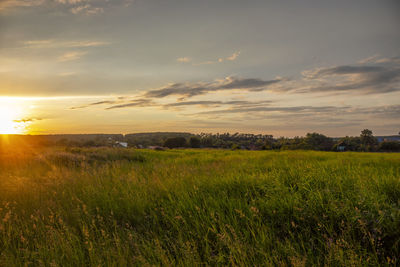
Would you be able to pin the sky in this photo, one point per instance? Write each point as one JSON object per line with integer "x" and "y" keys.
{"x": 284, "y": 68}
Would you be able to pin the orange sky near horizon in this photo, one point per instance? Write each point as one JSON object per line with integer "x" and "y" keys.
{"x": 72, "y": 115}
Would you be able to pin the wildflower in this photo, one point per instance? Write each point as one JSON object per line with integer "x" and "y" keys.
{"x": 7, "y": 216}
{"x": 254, "y": 210}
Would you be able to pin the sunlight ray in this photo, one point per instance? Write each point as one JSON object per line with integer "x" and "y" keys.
{"x": 9, "y": 115}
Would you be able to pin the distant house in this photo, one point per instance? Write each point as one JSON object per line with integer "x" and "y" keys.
{"x": 121, "y": 144}
{"x": 341, "y": 146}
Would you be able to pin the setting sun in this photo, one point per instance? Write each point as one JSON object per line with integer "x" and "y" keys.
{"x": 8, "y": 117}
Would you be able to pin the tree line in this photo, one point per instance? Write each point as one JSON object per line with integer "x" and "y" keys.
{"x": 312, "y": 141}
{"x": 366, "y": 141}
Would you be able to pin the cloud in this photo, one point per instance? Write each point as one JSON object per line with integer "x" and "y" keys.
{"x": 87, "y": 9}
{"x": 194, "y": 103}
{"x": 279, "y": 109}
{"x": 96, "y": 104}
{"x": 285, "y": 116}
{"x": 92, "y": 7}
{"x": 206, "y": 63}
{"x": 233, "y": 56}
{"x": 26, "y": 120}
{"x": 328, "y": 115}
{"x": 38, "y": 43}
{"x": 186, "y": 90}
{"x": 134, "y": 103}
{"x": 66, "y": 74}
{"x": 382, "y": 76}
{"x": 243, "y": 112}
{"x": 342, "y": 70}
{"x": 70, "y": 56}
{"x": 184, "y": 59}
{"x": 8, "y": 4}
{"x": 86, "y": 44}
{"x": 60, "y": 44}
{"x": 76, "y": 7}
{"x": 123, "y": 102}
{"x": 51, "y": 43}
{"x": 388, "y": 111}
{"x": 71, "y": 2}
{"x": 369, "y": 59}
{"x": 393, "y": 60}
{"x": 216, "y": 103}
{"x": 250, "y": 84}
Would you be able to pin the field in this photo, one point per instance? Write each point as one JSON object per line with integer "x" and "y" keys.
{"x": 120, "y": 207}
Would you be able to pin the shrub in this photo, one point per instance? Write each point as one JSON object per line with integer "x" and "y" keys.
{"x": 174, "y": 142}
{"x": 194, "y": 142}
{"x": 391, "y": 146}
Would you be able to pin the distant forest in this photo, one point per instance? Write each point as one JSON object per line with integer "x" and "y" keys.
{"x": 366, "y": 141}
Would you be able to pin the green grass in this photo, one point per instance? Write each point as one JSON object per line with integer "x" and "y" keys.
{"x": 110, "y": 207}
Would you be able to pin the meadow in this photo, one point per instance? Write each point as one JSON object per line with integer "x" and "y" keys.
{"x": 127, "y": 207}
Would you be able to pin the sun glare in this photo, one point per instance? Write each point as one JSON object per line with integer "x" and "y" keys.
{"x": 8, "y": 116}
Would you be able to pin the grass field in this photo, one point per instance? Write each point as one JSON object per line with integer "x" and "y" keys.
{"x": 116, "y": 207}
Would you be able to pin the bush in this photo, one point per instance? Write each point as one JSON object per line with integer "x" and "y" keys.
{"x": 317, "y": 141}
{"x": 194, "y": 142}
{"x": 174, "y": 142}
{"x": 390, "y": 146}
{"x": 235, "y": 147}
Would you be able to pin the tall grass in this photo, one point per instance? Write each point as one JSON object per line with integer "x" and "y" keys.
{"x": 199, "y": 207}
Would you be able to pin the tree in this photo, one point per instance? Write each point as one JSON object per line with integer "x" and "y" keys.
{"x": 318, "y": 141}
{"x": 367, "y": 139}
{"x": 207, "y": 141}
{"x": 174, "y": 142}
{"x": 194, "y": 142}
{"x": 391, "y": 146}
{"x": 269, "y": 142}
